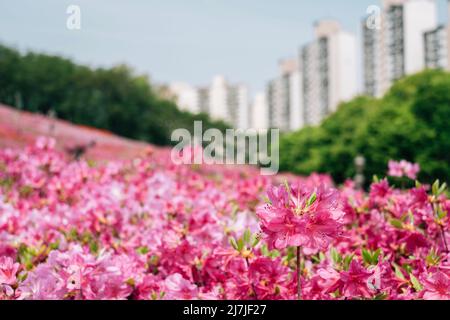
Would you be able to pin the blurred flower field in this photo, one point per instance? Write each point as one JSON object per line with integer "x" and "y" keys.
{"x": 147, "y": 229}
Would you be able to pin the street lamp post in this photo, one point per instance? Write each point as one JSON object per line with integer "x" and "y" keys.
{"x": 360, "y": 162}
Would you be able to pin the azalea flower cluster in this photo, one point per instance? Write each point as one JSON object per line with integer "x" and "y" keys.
{"x": 403, "y": 168}
{"x": 149, "y": 229}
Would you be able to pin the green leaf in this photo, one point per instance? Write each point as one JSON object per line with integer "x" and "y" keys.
{"x": 418, "y": 184}
{"x": 347, "y": 261}
{"x": 435, "y": 187}
{"x": 337, "y": 258}
{"x": 286, "y": 185}
{"x": 407, "y": 267}
{"x": 375, "y": 178}
{"x": 142, "y": 250}
{"x": 22, "y": 276}
{"x": 396, "y": 223}
{"x": 233, "y": 243}
{"x": 336, "y": 294}
{"x": 312, "y": 199}
{"x": 433, "y": 257}
{"x": 234, "y": 210}
{"x": 240, "y": 244}
{"x": 375, "y": 256}
{"x": 275, "y": 253}
{"x": 26, "y": 255}
{"x": 247, "y": 235}
{"x": 416, "y": 284}
{"x": 322, "y": 256}
{"x": 54, "y": 245}
{"x": 255, "y": 240}
{"x": 442, "y": 188}
{"x": 266, "y": 199}
{"x": 366, "y": 256}
{"x": 398, "y": 272}
{"x": 381, "y": 296}
{"x": 441, "y": 213}
{"x": 93, "y": 246}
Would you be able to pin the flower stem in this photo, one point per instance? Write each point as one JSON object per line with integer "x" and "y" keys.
{"x": 299, "y": 283}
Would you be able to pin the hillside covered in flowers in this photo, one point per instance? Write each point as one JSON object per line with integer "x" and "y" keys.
{"x": 147, "y": 229}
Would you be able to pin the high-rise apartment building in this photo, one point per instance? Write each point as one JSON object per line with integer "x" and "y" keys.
{"x": 436, "y": 43}
{"x": 285, "y": 106}
{"x": 296, "y": 112}
{"x": 291, "y": 94}
{"x": 273, "y": 96}
{"x": 397, "y": 48}
{"x": 371, "y": 60}
{"x": 237, "y": 103}
{"x": 203, "y": 99}
{"x": 228, "y": 102}
{"x": 185, "y": 96}
{"x": 221, "y": 100}
{"x": 218, "y": 99}
{"x": 259, "y": 112}
{"x": 329, "y": 69}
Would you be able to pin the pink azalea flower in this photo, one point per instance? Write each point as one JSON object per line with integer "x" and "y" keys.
{"x": 411, "y": 169}
{"x": 354, "y": 282}
{"x": 379, "y": 193}
{"x": 45, "y": 143}
{"x": 395, "y": 169}
{"x": 149, "y": 288}
{"x": 178, "y": 288}
{"x": 42, "y": 284}
{"x": 403, "y": 169}
{"x": 311, "y": 218}
{"x": 8, "y": 270}
{"x": 271, "y": 279}
{"x": 414, "y": 240}
{"x": 437, "y": 287}
{"x": 320, "y": 282}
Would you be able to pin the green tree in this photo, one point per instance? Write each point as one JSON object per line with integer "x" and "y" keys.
{"x": 114, "y": 99}
{"x": 410, "y": 122}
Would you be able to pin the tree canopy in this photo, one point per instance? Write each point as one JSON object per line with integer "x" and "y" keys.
{"x": 410, "y": 122}
{"x": 113, "y": 99}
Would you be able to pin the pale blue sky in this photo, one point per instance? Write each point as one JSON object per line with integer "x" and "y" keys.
{"x": 178, "y": 40}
